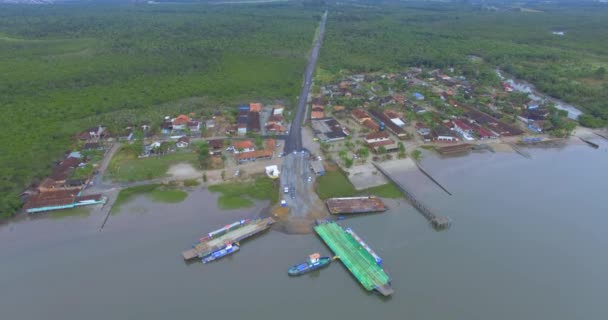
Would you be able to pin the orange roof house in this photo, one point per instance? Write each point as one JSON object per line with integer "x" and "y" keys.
{"x": 181, "y": 120}
{"x": 255, "y": 107}
{"x": 243, "y": 144}
{"x": 317, "y": 115}
{"x": 360, "y": 115}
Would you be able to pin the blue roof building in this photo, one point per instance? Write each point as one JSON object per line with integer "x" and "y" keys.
{"x": 418, "y": 96}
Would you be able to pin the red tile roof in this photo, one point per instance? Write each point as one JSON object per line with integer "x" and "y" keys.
{"x": 360, "y": 114}
{"x": 462, "y": 125}
{"x": 243, "y": 144}
{"x": 255, "y": 107}
{"x": 181, "y": 119}
{"x": 376, "y": 135}
{"x": 275, "y": 127}
{"x": 371, "y": 124}
{"x": 317, "y": 115}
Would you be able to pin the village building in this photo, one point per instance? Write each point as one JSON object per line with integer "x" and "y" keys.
{"x": 376, "y": 137}
{"x": 180, "y": 122}
{"x": 328, "y": 130}
{"x": 240, "y": 146}
{"x": 318, "y": 112}
{"x": 360, "y": 115}
{"x": 94, "y": 134}
{"x": 255, "y": 107}
{"x": 210, "y": 124}
{"x": 391, "y": 120}
{"x": 317, "y": 167}
{"x": 216, "y": 146}
{"x": 253, "y": 122}
{"x": 443, "y": 134}
{"x": 248, "y": 156}
{"x": 464, "y": 129}
{"x": 278, "y": 110}
{"x": 183, "y": 142}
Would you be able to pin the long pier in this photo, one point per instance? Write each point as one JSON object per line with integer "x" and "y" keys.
{"x": 211, "y": 244}
{"x": 358, "y": 258}
{"x": 438, "y": 222}
{"x": 428, "y": 175}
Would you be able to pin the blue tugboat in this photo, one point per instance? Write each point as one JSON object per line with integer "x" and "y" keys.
{"x": 227, "y": 250}
{"x": 314, "y": 262}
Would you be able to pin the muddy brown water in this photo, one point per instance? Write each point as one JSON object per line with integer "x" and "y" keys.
{"x": 528, "y": 242}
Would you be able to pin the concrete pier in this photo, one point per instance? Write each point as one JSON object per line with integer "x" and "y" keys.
{"x": 438, "y": 222}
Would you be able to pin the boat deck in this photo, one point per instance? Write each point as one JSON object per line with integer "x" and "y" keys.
{"x": 355, "y": 205}
{"x": 355, "y": 257}
{"x": 207, "y": 247}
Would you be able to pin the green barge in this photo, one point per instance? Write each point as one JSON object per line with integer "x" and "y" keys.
{"x": 359, "y": 259}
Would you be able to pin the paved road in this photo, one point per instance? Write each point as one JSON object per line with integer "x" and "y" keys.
{"x": 294, "y": 140}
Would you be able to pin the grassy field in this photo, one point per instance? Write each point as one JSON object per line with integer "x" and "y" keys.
{"x": 335, "y": 184}
{"x": 69, "y": 67}
{"x": 236, "y": 195}
{"x": 157, "y": 192}
{"x": 126, "y": 167}
{"x": 74, "y": 212}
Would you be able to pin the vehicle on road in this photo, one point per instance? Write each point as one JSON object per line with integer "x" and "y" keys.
{"x": 309, "y": 179}
{"x": 286, "y": 189}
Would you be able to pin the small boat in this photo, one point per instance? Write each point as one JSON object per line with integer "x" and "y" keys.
{"x": 314, "y": 262}
{"x": 227, "y": 250}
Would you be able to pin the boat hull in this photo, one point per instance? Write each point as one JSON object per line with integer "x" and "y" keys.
{"x": 305, "y": 267}
{"x": 220, "y": 254}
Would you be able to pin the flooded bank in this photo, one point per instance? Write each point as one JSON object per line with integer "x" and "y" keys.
{"x": 537, "y": 96}
{"x": 527, "y": 243}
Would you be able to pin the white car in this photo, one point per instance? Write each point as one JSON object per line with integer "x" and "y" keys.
{"x": 286, "y": 189}
{"x": 309, "y": 179}
{"x": 236, "y": 174}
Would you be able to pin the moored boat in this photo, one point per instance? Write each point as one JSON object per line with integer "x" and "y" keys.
{"x": 314, "y": 262}
{"x": 227, "y": 250}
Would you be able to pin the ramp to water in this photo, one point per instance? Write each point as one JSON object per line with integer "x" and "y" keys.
{"x": 355, "y": 257}
{"x": 204, "y": 248}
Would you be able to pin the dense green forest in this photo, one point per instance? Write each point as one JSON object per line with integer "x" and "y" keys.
{"x": 65, "y": 68}
{"x": 395, "y": 36}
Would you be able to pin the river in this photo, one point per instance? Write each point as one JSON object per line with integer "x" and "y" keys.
{"x": 536, "y": 96}
{"x": 528, "y": 242}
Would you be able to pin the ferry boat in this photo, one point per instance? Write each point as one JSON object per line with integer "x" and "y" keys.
{"x": 227, "y": 250}
{"x": 314, "y": 262}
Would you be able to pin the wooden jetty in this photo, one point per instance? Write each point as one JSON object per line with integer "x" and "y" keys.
{"x": 438, "y": 222}
{"x": 212, "y": 243}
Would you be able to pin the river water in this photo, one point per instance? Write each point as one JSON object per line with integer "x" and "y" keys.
{"x": 528, "y": 242}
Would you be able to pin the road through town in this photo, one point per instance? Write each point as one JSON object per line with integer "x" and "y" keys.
{"x": 294, "y": 140}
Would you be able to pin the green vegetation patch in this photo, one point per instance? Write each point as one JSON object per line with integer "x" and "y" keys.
{"x": 157, "y": 192}
{"x": 388, "y": 190}
{"x": 237, "y": 195}
{"x": 74, "y": 212}
{"x": 191, "y": 183}
{"x": 126, "y": 167}
{"x": 336, "y": 184}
